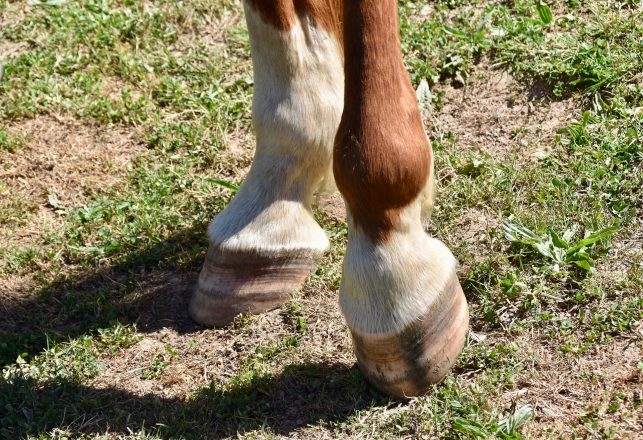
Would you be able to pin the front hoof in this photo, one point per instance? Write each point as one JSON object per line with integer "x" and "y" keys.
{"x": 232, "y": 283}
{"x": 406, "y": 364}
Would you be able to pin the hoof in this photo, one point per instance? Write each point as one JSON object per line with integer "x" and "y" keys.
{"x": 407, "y": 363}
{"x": 234, "y": 283}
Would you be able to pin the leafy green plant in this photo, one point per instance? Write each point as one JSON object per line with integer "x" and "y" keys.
{"x": 75, "y": 360}
{"x": 544, "y": 12}
{"x": 506, "y": 428}
{"x": 511, "y": 286}
{"x": 559, "y": 249}
{"x": 159, "y": 364}
{"x": 10, "y": 142}
{"x": 180, "y": 100}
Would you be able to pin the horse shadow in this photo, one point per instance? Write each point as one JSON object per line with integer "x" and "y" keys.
{"x": 150, "y": 287}
{"x": 302, "y": 395}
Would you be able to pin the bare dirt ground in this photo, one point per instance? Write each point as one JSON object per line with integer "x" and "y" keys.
{"x": 566, "y": 391}
{"x": 496, "y": 115}
{"x": 61, "y": 164}
{"x": 67, "y": 160}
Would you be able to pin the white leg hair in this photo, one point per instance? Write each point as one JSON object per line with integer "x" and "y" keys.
{"x": 403, "y": 305}
{"x": 265, "y": 242}
{"x": 387, "y": 286}
{"x": 297, "y": 105}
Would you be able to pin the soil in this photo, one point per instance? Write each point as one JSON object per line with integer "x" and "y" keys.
{"x": 567, "y": 391}
{"x": 201, "y": 355}
{"x": 62, "y": 163}
{"x": 66, "y": 160}
{"x": 332, "y": 204}
{"x": 495, "y": 114}
{"x": 211, "y": 35}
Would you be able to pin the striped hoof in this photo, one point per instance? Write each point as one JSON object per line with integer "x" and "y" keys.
{"x": 406, "y": 364}
{"x": 244, "y": 282}
{"x": 405, "y": 309}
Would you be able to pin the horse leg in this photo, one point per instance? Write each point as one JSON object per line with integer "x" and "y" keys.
{"x": 399, "y": 293}
{"x": 265, "y": 242}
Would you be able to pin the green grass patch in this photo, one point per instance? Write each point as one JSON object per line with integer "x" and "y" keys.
{"x": 182, "y": 84}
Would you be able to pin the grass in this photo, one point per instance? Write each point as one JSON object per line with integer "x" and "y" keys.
{"x": 96, "y": 341}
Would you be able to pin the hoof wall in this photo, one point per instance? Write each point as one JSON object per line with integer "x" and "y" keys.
{"x": 232, "y": 284}
{"x": 406, "y": 364}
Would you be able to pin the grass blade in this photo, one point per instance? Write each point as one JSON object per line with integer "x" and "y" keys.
{"x": 225, "y": 184}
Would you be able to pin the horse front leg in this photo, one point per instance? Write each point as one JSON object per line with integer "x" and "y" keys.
{"x": 399, "y": 293}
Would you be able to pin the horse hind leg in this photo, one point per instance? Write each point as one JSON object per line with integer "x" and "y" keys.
{"x": 265, "y": 242}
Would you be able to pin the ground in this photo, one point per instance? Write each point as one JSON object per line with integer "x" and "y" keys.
{"x": 125, "y": 127}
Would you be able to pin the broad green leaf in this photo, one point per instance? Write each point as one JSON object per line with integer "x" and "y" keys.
{"x": 545, "y": 251}
{"x": 544, "y": 12}
{"x": 516, "y": 232}
{"x": 584, "y": 265}
{"x": 557, "y": 240}
{"x": 509, "y": 424}
{"x": 470, "y": 427}
{"x": 580, "y": 255}
{"x": 593, "y": 238}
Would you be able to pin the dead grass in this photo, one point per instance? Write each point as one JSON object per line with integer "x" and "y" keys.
{"x": 272, "y": 376}
{"x": 62, "y": 165}
{"x": 496, "y": 115}
{"x": 211, "y": 32}
{"x": 585, "y": 394}
{"x": 66, "y": 159}
{"x": 205, "y": 355}
{"x": 72, "y": 160}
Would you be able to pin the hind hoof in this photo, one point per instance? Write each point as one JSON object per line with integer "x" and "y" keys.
{"x": 243, "y": 282}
